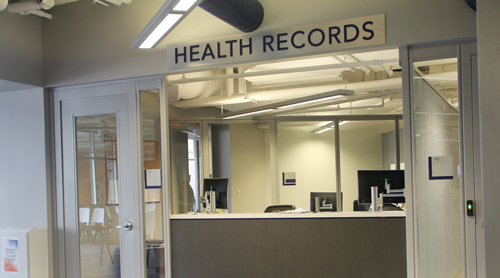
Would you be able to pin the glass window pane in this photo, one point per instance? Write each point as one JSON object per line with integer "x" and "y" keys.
{"x": 185, "y": 166}
{"x": 437, "y": 136}
{"x": 310, "y": 157}
{"x": 153, "y": 187}
{"x": 98, "y": 196}
{"x": 364, "y": 145}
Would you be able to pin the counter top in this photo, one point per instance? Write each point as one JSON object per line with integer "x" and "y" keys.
{"x": 356, "y": 214}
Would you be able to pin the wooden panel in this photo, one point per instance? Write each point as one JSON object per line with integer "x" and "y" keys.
{"x": 341, "y": 247}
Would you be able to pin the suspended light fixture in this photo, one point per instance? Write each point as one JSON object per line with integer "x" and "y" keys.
{"x": 327, "y": 127}
{"x": 287, "y": 104}
{"x": 163, "y": 22}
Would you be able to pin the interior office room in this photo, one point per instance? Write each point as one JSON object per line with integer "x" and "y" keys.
{"x": 121, "y": 161}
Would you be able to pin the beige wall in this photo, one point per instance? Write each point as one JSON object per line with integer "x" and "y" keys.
{"x": 249, "y": 168}
{"x": 312, "y": 157}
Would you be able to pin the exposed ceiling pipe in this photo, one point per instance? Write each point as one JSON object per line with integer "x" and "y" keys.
{"x": 60, "y": 2}
{"x": 115, "y": 2}
{"x": 244, "y": 15}
{"x": 39, "y": 13}
{"x": 348, "y": 107}
{"x": 281, "y": 71}
{"x": 36, "y": 7}
{"x": 347, "y": 99}
{"x": 275, "y": 95}
{"x": 20, "y": 7}
{"x": 100, "y": 2}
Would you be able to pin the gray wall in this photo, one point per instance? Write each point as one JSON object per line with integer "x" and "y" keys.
{"x": 339, "y": 247}
{"x": 23, "y": 177}
{"x": 85, "y": 42}
{"x": 489, "y": 99}
{"x": 21, "y": 49}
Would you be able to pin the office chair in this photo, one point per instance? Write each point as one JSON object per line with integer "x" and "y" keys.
{"x": 360, "y": 206}
{"x": 278, "y": 208}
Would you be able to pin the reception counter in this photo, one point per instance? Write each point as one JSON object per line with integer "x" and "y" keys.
{"x": 355, "y": 214}
{"x": 327, "y": 244}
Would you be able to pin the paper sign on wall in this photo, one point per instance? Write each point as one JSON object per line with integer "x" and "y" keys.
{"x": 152, "y": 178}
{"x": 440, "y": 167}
{"x": 289, "y": 178}
{"x": 10, "y": 254}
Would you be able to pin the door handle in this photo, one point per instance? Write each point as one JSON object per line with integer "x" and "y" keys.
{"x": 128, "y": 226}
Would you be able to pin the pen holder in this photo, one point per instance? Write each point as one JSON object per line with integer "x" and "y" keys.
{"x": 374, "y": 192}
{"x": 315, "y": 204}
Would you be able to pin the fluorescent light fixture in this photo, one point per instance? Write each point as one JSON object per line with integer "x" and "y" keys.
{"x": 327, "y": 127}
{"x": 184, "y": 5}
{"x": 171, "y": 13}
{"x": 309, "y": 102}
{"x": 160, "y": 30}
{"x": 247, "y": 114}
{"x": 323, "y": 130}
{"x": 289, "y": 103}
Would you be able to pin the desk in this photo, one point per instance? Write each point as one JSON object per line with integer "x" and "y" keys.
{"x": 326, "y": 244}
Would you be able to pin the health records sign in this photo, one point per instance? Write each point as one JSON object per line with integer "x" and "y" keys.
{"x": 278, "y": 44}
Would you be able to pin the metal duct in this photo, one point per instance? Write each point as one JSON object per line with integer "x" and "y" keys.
{"x": 471, "y": 4}
{"x": 3, "y": 4}
{"x": 244, "y": 15}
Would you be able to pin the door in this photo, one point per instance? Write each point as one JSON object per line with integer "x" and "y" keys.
{"x": 442, "y": 164}
{"x": 101, "y": 192}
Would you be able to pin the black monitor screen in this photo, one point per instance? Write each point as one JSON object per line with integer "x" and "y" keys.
{"x": 325, "y": 199}
{"x": 369, "y": 178}
{"x": 220, "y": 188}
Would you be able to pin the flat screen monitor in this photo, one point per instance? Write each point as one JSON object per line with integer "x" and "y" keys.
{"x": 220, "y": 187}
{"x": 369, "y": 178}
{"x": 326, "y": 198}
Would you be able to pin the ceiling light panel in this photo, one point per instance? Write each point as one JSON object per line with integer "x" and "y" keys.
{"x": 184, "y": 5}
{"x": 162, "y": 28}
{"x": 170, "y": 14}
{"x": 272, "y": 107}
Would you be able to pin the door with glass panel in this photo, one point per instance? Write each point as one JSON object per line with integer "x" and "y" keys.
{"x": 442, "y": 164}
{"x": 102, "y": 230}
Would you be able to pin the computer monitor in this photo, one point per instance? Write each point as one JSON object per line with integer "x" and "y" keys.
{"x": 328, "y": 198}
{"x": 220, "y": 187}
{"x": 369, "y": 178}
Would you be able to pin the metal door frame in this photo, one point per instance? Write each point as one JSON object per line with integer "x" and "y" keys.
{"x": 131, "y": 89}
{"x": 469, "y": 151}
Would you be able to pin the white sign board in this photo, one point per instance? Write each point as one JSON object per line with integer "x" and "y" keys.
{"x": 440, "y": 167}
{"x": 278, "y": 44}
{"x": 289, "y": 178}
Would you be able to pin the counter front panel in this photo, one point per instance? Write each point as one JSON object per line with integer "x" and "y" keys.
{"x": 282, "y": 247}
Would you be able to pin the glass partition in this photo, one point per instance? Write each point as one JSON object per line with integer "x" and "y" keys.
{"x": 438, "y": 195}
{"x": 364, "y": 145}
{"x": 306, "y": 160}
{"x": 97, "y": 183}
{"x": 152, "y": 187}
{"x": 185, "y": 166}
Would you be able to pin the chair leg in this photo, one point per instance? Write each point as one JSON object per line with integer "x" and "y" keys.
{"x": 102, "y": 246}
{"x": 110, "y": 256}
